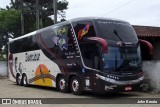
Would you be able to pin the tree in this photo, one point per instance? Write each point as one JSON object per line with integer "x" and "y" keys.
{"x": 30, "y": 11}
{"x": 10, "y": 19}
{"x": 9, "y": 22}
{"x": 9, "y": 25}
{"x": 61, "y": 6}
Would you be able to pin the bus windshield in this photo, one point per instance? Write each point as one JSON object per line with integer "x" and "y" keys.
{"x": 122, "y": 59}
{"x": 115, "y": 30}
{"x": 119, "y": 58}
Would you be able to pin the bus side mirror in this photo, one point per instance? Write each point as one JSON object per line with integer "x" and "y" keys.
{"x": 146, "y": 49}
{"x": 102, "y": 41}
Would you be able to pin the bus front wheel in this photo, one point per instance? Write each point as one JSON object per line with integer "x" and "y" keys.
{"x": 75, "y": 86}
{"x": 62, "y": 84}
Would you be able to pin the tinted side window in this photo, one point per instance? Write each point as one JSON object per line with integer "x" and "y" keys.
{"x": 47, "y": 37}
{"x": 28, "y": 44}
{"x": 13, "y": 48}
{"x": 57, "y": 38}
{"x": 84, "y": 29}
{"x": 23, "y": 45}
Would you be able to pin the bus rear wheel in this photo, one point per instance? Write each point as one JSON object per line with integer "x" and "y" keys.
{"x": 24, "y": 79}
{"x": 19, "y": 80}
{"x": 62, "y": 84}
{"x": 75, "y": 86}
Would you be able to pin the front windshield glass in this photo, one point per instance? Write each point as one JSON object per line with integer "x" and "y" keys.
{"x": 115, "y": 30}
{"x": 122, "y": 58}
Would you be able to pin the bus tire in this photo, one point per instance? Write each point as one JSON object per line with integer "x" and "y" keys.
{"x": 19, "y": 80}
{"x": 24, "y": 79}
{"x": 62, "y": 84}
{"x": 75, "y": 86}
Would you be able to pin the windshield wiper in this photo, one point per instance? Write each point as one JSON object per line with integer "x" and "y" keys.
{"x": 116, "y": 33}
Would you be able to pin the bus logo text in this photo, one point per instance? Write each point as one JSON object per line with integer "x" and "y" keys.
{"x": 32, "y": 57}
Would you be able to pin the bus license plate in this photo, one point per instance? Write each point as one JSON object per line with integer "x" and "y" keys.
{"x": 128, "y": 88}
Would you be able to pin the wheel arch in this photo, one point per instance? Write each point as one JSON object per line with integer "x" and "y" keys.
{"x": 17, "y": 74}
{"x": 24, "y": 74}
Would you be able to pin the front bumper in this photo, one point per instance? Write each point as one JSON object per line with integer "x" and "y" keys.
{"x": 105, "y": 85}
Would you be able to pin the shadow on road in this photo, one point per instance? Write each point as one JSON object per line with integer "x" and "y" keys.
{"x": 90, "y": 94}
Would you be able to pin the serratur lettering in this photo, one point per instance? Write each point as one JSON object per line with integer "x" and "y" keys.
{"x": 32, "y": 57}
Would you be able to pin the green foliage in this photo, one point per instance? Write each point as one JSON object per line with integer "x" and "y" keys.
{"x": 9, "y": 22}
{"x": 3, "y": 56}
{"x": 30, "y": 19}
{"x": 10, "y": 19}
{"x": 9, "y": 25}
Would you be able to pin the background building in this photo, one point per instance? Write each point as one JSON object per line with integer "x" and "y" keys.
{"x": 151, "y": 34}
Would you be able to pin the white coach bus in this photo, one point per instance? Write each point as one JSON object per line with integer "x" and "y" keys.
{"x": 83, "y": 54}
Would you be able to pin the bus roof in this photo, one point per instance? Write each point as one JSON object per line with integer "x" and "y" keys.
{"x": 93, "y": 18}
{"x": 65, "y": 22}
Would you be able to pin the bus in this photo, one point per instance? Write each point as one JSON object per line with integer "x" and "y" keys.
{"x": 83, "y": 54}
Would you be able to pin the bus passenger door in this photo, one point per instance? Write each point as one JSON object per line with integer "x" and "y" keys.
{"x": 84, "y": 29}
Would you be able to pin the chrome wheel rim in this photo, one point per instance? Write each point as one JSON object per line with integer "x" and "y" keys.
{"x": 75, "y": 85}
{"x": 24, "y": 80}
{"x": 62, "y": 84}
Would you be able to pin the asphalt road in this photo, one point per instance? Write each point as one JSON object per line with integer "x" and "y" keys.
{"x": 9, "y": 89}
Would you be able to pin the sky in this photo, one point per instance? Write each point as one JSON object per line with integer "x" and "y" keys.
{"x": 137, "y": 12}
